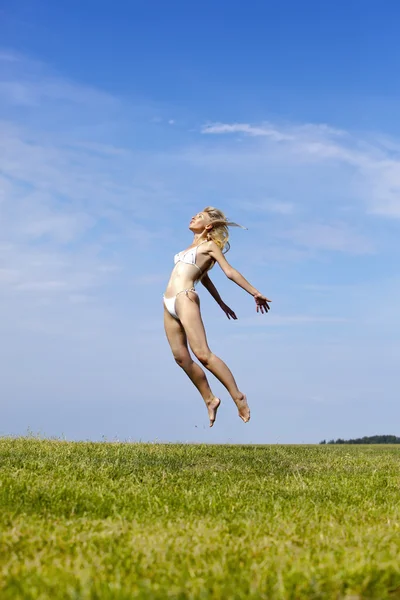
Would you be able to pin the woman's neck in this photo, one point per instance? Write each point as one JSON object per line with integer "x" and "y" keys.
{"x": 198, "y": 237}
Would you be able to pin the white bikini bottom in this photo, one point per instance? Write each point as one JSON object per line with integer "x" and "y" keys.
{"x": 169, "y": 303}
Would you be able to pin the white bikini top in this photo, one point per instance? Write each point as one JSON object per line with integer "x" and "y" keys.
{"x": 189, "y": 256}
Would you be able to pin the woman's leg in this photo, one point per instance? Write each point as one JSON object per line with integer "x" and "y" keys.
{"x": 177, "y": 340}
{"x": 188, "y": 310}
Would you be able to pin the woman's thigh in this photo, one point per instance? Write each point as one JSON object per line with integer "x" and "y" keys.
{"x": 176, "y": 336}
{"x": 188, "y": 310}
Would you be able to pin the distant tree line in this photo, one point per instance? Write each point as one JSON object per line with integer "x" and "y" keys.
{"x": 372, "y": 439}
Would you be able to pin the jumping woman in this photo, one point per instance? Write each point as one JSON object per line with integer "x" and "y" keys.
{"x": 182, "y": 317}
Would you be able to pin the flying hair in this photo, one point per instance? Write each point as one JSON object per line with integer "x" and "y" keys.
{"x": 220, "y": 224}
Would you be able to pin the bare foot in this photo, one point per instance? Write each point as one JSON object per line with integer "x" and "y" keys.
{"x": 212, "y": 408}
{"x": 243, "y": 408}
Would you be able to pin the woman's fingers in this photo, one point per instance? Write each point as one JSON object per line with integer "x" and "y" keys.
{"x": 229, "y": 313}
{"x": 262, "y": 304}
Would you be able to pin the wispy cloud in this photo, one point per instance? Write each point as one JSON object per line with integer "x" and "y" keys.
{"x": 34, "y": 94}
{"x": 264, "y": 131}
{"x": 376, "y": 171}
{"x": 31, "y": 83}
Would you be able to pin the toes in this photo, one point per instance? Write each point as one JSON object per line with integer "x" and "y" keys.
{"x": 244, "y": 419}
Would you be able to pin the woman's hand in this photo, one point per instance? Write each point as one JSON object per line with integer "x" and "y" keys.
{"x": 228, "y": 311}
{"x": 261, "y": 303}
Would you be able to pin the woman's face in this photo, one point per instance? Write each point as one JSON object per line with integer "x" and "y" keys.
{"x": 199, "y": 222}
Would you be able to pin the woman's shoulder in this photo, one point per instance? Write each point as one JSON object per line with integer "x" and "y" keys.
{"x": 206, "y": 246}
{"x": 211, "y": 246}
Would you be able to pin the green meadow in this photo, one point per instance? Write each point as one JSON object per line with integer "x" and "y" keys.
{"x": 91, "y": 521}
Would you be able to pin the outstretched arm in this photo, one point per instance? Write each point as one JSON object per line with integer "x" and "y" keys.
{"x": 210, "y": 287}
{"x": 234, "y": 275}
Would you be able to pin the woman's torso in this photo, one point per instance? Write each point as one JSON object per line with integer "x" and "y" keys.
{"x": 190, "y": 265}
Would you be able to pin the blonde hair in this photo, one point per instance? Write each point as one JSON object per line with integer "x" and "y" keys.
{"x": 219, "y": 232}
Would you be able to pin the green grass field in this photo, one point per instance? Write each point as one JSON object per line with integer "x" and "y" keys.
{"x": 122, "y": 521}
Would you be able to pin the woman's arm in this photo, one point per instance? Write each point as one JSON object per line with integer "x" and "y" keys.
{"x": 234, "y": 275}
{"x": 210, "y": 287}
{"x": 208, "y": 284}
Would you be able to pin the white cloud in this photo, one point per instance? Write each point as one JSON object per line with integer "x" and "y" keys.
{"x": 376, "y": 173}
{"x": 264, "y": 131}
{"x": 281, "y": 133}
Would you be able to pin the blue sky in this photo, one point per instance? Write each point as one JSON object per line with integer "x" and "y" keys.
{"x": 120, "y": 122}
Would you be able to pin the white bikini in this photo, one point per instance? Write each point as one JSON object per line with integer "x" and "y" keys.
{"x": 189, "y": 258}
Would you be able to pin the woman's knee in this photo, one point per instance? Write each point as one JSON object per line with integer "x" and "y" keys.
{"x": 203, "y": 355}
{"x": 182, "y": 358}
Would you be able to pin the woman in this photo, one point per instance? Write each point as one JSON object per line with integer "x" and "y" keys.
{"x": 182, "y": 317}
